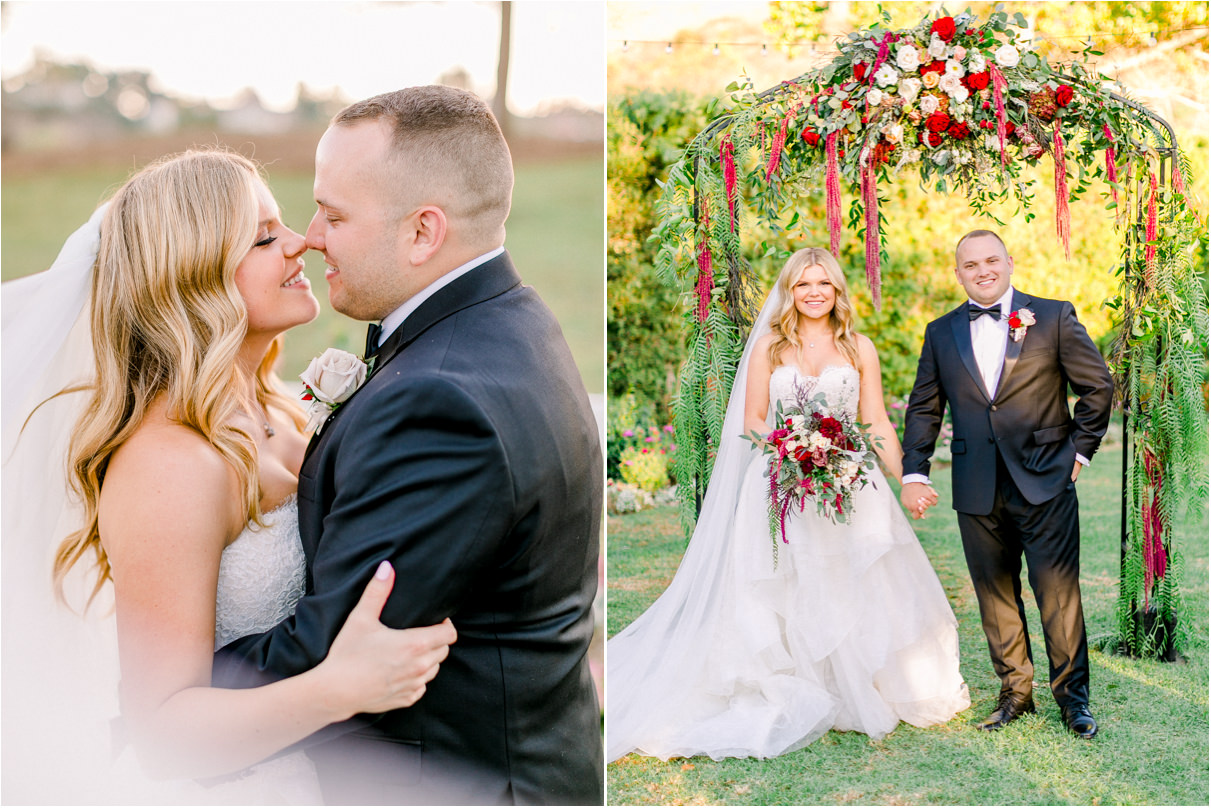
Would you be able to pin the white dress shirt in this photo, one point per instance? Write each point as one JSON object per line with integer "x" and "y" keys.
{"x": 396, "y": 318}
{"x": 989, "y": 339}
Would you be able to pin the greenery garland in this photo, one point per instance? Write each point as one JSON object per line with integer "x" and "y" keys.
{"x": 964, "y": 107}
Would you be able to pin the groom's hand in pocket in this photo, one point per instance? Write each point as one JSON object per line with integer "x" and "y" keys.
{"x": 372, "y": 668}
{"x": 1076, "y": 469}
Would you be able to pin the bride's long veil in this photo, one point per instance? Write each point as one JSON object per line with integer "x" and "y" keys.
{"x": 654, "y": 658}
{"x": 59, "y": 668}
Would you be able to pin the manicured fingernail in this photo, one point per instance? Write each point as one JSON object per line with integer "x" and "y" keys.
{"x": 384, "y": 571}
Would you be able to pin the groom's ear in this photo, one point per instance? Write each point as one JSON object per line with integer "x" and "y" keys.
{"x": 426, "y": 230}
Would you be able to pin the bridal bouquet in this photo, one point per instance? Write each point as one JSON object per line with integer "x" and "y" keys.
{"x": 817, "y": 455}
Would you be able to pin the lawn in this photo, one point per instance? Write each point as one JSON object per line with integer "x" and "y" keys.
{"x": 1151, "y": 749}
{"x": 555, "y": 236}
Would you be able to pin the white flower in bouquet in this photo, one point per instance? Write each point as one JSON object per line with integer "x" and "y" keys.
{"x": 941, "y": 157}
{"x": 937, "y": 48}
{"x": 817, "y": 441}
{"x": 953, "y": 86}
{"x": 908, "y": 58}
{"x": 886, "y": 75}
{"x": 874, "y": 96}
{"x": 909, "y": 156}
{"x": 893, "y": 132}
{"x": 929, "y": 103}
{"x": 1007, "y": 56}
{"x": 992, "y": 142}
{"x": 960, "y": 52}
{"x": 909, "y": 88}
{"x": 954, "y": 68}
{"x": 930, "y": 80}
{"x": 977, "y": 64}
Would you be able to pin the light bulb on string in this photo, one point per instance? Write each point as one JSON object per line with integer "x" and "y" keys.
{"x": 625, "y": 46}
{"x": 764, "y": 50}
{"x": 668, "y": 48}
{"x": 715, "y": 50}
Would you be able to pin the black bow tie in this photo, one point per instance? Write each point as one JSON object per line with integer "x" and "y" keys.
{"x": 975, "y": 312}
{"x": 373, "y": 331}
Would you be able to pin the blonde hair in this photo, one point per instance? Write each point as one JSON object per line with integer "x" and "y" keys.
{"x": 167, "y": 320}
{"x": 446, "y": 150}
{"x": 785, "y": 322}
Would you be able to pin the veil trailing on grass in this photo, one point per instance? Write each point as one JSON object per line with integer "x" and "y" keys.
{"x": 60, "y": 667}
{"x": 652, "y": 660}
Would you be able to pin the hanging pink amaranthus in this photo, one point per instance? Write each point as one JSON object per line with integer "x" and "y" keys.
{"x": 706, "y": 279}
{"x": 832, "y": 194}
{"x": 870, "y": 205}
{"x": 1155, "y": 560}
{"x": 775, "y": 152}
{"x": 999, "y": 87}
{"x": 1111, "y": 168}
{"x": 727, "y": 156}
{"x": 1062, "y": 218}
{"x": 1150, "y": 233}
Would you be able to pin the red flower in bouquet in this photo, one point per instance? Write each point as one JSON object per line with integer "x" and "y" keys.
{"x": 938, "y": 122}
{"x": 976, "y": 81}
{"x": 958, "y": 130}
{"x": 936, "y": 66}
{"x": 859, "y": 71}
{"x": 944, "y": 27}
{"x": 1063, "y": 95}
{"x": 811, "y": 137}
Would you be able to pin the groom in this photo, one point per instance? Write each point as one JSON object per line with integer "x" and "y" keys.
{"x": 469, "y": 458}
{"x": 1003, "y": 362}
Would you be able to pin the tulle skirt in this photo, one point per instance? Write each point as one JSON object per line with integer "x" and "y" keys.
{"x": 849, "y": 630}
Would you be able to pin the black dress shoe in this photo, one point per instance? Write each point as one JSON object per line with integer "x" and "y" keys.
{"x": 1080, "y": 720}
{"x": 1009, "y": 708}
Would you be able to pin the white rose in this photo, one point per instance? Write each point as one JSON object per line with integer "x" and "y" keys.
{"x": 909, "y": 88}
{"x": 886, "y": 75}
{"x": 937, "y": 48}
{"x": 976, "y": 63}
{"x": 893, "y": 132}
{"x": 907, "y": 58}
{"x": 960, "y": 52}
{"x": 992, "y": 143}
{"x": 928, "y": 105}
{"x": 874, "y": 96}
{"x": 954, "y": 68}
{"x": 953, "y": 86}
{"x": 1007, "y": 56}
{"x": 334, "y": 375}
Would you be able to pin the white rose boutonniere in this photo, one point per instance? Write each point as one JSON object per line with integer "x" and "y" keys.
{"x": 328, "y": 381}
{"x": 1019, "y": 321}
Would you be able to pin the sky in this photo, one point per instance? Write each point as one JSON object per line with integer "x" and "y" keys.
{"x": 205, "y": 49}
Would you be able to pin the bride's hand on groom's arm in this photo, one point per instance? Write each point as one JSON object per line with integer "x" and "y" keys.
{"x": 373, "y": 669}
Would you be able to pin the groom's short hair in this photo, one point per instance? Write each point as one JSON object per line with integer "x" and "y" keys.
{"x": 978, "y": 234}
{"x": 447, "y": 149}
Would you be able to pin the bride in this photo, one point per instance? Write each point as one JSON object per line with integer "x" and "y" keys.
{"x": 154, "y": 398}
{"x": 849, "y": 630}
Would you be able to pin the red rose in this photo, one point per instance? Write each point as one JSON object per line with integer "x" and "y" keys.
{"x": 811, "y": 137}
{"x": 976, "y": 81}
{"x": 1015, "y": 321}
{"x": 938, "y": 122}
{"x": 1063, "y": 95}
{"x": 935, "y": 138}
{"x": 859, "y": 71}
{"x": 958, "y": 130}
{"x": 936, "y": 66}
{"x": 944, "y": 27}
{"x": 802, "y": 455}
{"x": 1010, "y": 128}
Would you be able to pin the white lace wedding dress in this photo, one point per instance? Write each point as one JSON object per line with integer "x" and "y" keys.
{"x": 850, "y": 630}
{"x": 262, "y": 574}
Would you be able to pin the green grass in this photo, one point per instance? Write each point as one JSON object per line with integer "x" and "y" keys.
{"x": 555, "y": 235}
{"x": 1151, "y": 749}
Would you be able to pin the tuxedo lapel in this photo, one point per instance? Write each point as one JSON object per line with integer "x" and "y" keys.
{"x": 493, "y": 278}
{"x": 960, "y": 328}
{"x": 1013, "y": 348}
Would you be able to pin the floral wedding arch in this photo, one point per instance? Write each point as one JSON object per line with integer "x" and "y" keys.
{"x": 961, "y": 106}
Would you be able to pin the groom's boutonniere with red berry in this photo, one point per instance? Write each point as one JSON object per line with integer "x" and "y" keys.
{"x": 1019, "y": 321}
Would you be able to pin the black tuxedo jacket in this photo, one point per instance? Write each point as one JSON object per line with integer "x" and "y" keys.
{"x": 470, "y": 458}
{"x": 1028, "y": 422}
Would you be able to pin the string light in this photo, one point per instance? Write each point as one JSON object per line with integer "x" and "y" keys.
{"x": 715, "y": 51}
{"x": 668, "y": 48}
{"x": 764, "y": 50}
{"x": 626, "y": 46}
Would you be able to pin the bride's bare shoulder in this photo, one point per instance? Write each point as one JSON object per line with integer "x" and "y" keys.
{"x": 168, "y": 475}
